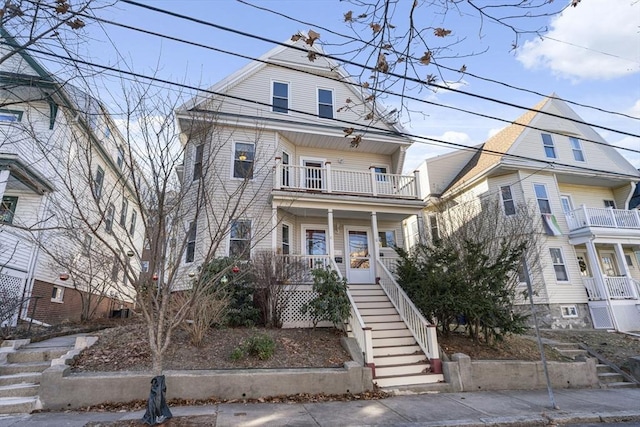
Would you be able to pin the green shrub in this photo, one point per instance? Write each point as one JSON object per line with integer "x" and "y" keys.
{"x": 332, "y": 301}
{"x": 261, "y": 346}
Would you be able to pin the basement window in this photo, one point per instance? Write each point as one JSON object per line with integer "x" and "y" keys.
{"x": 57, "y": 294}
{"x": 569, "y": 311}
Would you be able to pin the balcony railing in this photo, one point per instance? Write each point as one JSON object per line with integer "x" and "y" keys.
{"x": 328, "y": 180}
{"x": 603, "y": 217}
{"x": 617, "y": 288}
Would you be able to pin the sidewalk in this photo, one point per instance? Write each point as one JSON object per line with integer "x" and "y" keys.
{"x": 447, "y": 409}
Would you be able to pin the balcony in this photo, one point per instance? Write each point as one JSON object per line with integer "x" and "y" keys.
{"x": 603, "y": 218}
{"x": 616, "y": 288}
{"x": 338, "y": 181}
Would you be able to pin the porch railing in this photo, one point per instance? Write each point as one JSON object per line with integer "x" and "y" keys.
{"x": 603, "y": 217}
{"x": 328, "y": 180}
{"x": 617, "y": 287}
{"x": 391, "y": 263}
{"x": 422, "y": 330}
{"x": 309, "y": 262}
{"x": 357, "y": 327}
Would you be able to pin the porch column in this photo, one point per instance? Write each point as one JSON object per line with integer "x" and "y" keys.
{"x": 376, "y": 247}
{"x": 4, "y": 178}
{"x": 598, "y": 278}
{"x": 332, "y": 252}
{"x": 278, "y": 174}
{"x": 329, "y": 180}
{"x": 274, "y": 228}
{"x": 624, "y": 268}
{"x": 422, "y": 233}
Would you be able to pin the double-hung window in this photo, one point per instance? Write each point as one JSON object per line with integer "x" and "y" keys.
{"x": 280, "y": 102}
{"x": 610, "y": 204}
{"x": 197, "y": 162}
{"x": 191, "y": 243}
{"x": 98, "y": 181}
{"x": 325, "y": 103}
{"x": 387, "y": 239}
{"x": 576, "y": 147}
{"x": 240, "y": 239}
{"x": 507, "y": 200}
{"x": 132, "y": 227}
{"x": 8, "y": 209}
{"x": 286, "y": 239}
{"x": 558, "y": 264}
{"x": 433, "y": 228}
{"x": 381, "y": 173}
{"x": 120, "y": 156}
{"x": 543, "y": 198}
{"x": 123, "y": 212}
{"x": 10, "y": 116}
{"x": 243, "y": 157}
{"x": 549, "y": 147}
{"x": 108, "y": 218}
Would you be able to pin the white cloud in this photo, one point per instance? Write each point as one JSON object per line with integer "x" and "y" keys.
{"x": 598, "y": 39}
{"x": 432, "y": 95}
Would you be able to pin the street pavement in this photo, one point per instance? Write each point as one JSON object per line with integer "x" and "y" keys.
{"x": 482, "y": 408}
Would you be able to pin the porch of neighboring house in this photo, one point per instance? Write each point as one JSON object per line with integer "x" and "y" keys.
{"x": 607, "y": 244}
{"x": 352, "y": 227}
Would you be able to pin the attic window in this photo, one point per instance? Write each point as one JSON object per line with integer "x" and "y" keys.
{"x": 280, "y": 103}
{"x": 325, "y": 103}
{"x": 549, "y": 148}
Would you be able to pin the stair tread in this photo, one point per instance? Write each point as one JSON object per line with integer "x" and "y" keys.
{"x": 405, "y": 375}
{"x": 28, "y": 364}
{"x": 19, "y": 385}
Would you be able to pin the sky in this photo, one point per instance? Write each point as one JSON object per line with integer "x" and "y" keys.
{"x": 589, "y": 55}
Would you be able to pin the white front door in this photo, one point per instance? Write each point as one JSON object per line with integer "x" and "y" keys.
{"x": 359, "y": 262}
{"x": 609, "y": 266}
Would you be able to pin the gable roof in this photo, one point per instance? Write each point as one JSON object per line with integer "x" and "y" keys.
{"x": 486, "y": 157}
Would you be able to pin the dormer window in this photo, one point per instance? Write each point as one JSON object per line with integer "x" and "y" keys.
{"x": 325, "y": 103}
{"x": 549, "y": 148}
{"x": 280, "y": 100}
{"x": 576, "y": 147}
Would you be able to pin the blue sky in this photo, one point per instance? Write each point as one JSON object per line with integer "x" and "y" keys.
{"x": 591, "y": 55}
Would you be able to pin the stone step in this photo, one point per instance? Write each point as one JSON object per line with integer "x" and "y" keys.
{"x": 18, "y": 405}
{"x": 394, "y": 370}
{"x": 565, "y": 346}
{"x": 622, "y": 384}
{"x": 396, "y": 350}
{"x": 18, "y": 368}
{"x": 600, "y": 367}
{"x": 401, "y": 380}
{"x": 393, "y": 341}
{"x": 22, "y": 378}
{"x": 610, "y": 377}
{"x": 399, "y": 359}
{"x": 19, "y": 390}
{"x": 36, "y": 355}
{"x": 391, "y": 333}
{"x": 572, "y": 354}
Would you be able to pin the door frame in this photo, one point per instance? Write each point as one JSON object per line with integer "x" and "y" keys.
{"x": 303, "y": 172}
{"x": 614, "y": 260}
{"x": 370, "y": 276}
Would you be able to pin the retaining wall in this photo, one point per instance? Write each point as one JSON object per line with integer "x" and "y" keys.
{"x": 466, "y": 375}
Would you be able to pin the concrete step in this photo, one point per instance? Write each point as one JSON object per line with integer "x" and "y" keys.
{"x": 393, "y": 341}
{"x": 600, "y": 367}
{"x": 394, "y": 370}
{"x": 610, "y": 377}
{"x": 22, "y": 378}
{"x": 374, "y": 305}
{"x": 385, "y": 318}
{"x": 408, "y": 380}
{"x": 19, "y": 390}
{"x": 572, "y": 354}
{"x": 622, "y": 384}
{"x": 396, "y": 350}
{"x": 36, "y": 355}
{"x": 565, "y": 346}
{"x": 18, "y": 405}
{"x": 389, "y": 311}
{"x": 399, "y": 359}
{"x": 18, "y": 368}
{"x": 391, "y": 333}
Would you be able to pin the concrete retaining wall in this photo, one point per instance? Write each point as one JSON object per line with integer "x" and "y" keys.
{"x": 466, "y": 375}
{"x": 59, "y": 389}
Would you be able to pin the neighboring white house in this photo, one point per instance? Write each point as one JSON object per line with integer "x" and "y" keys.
{"x": 57, "y": 142}
{"x": 319, "y": 172}
{"x": 589, "y": 266}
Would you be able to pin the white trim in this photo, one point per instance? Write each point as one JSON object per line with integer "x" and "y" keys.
{"x": 568, "y": 197}
{"x": 303, "y": 236}
{"x": 512, "y": 200}
{"x": 333, "y": 102}
{"x": 291, "y": 238}
{"x": 289, "y": 103}
{"x": 371, "y": 240}
{"x": 570, "y": 308}
{"x": 573, "y": 154}
{"x": 564, "y": 264}
{"x": 251, "y": 236}
{"x": 232, "y": 164}
{"x": 535, "y": 195}
{"x": 59, "y": 295}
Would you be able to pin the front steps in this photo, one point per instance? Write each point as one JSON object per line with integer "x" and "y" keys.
{"x": 20, "y": 373}
{"x": 398, "y": 359}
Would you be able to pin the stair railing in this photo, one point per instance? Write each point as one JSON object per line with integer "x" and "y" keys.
{"x": 423, "y": 332}
{"x": 358, "y": 328}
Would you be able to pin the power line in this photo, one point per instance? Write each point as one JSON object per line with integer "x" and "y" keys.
{"x": 227, "y": 52}
{"x": 437, "y": 64}
{"x": 368, "y": 129}
{"x": 366, "y": 67}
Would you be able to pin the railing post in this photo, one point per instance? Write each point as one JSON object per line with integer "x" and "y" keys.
{"x": 368, "y": 350}
{"x": 327, "y": 170}
{"x": 613, "y": 217}
{"x": 416, "y": 184}
{"x": 636, "y": 214}
{"x": 278, "y": 175}
{"x": 434, "y": 354}
{"x": 586, "y": 215}
{"x": 374, "y": 181}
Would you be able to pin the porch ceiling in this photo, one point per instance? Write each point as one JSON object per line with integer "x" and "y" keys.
{"x": 340, "y": 143}
{"x": 303, "y": 212}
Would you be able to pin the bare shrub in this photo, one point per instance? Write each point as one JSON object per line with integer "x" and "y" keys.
{"x": 207, "y": 310}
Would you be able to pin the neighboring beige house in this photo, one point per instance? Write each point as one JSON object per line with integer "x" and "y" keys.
{"x": 590, "y": 243}
{"x": 59, "y": 143}
{"x": 280, "y": 126}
